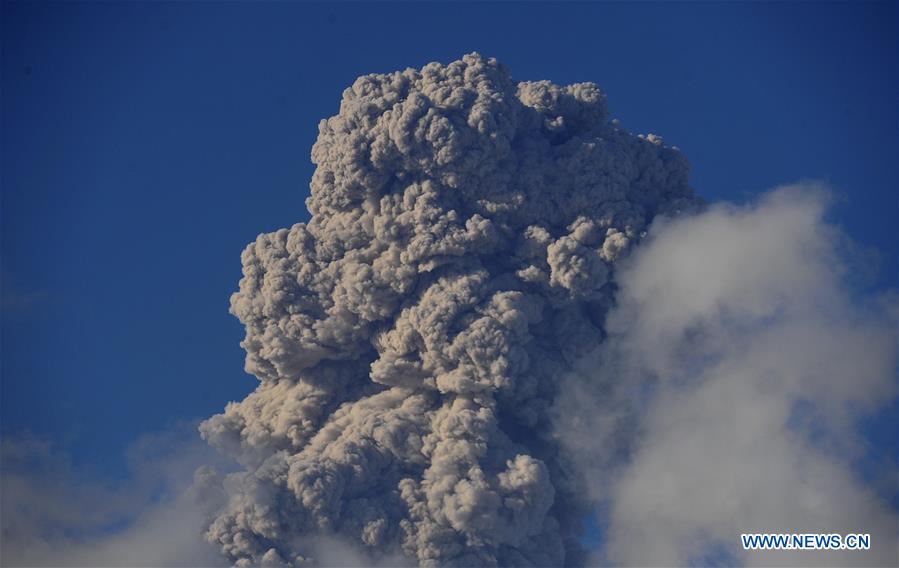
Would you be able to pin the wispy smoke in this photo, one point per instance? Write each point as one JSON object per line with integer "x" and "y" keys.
{"x": 410, "y": 339}
{"x": 56, "y": 514}
{"x": 727, "y": 396}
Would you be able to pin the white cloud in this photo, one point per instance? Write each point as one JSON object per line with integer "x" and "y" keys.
{"x": 737, "y": 366}
{"x": 57, "y": 515}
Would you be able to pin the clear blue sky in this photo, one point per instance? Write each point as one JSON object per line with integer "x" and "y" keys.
{"x": 144, "y": 144}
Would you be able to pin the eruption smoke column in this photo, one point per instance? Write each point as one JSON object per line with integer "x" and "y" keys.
{"x": 409, "y": 338}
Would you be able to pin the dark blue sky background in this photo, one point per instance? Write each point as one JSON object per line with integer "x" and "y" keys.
{"x": 143, "y": 145}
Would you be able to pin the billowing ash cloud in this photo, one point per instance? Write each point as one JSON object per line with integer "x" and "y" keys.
{"x": 410, "y": 338}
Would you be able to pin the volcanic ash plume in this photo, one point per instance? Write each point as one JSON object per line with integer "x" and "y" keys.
{"x": 410, "y": 338}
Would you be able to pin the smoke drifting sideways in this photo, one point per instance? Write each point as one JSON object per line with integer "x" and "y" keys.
{"x": 410, "y": 339}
